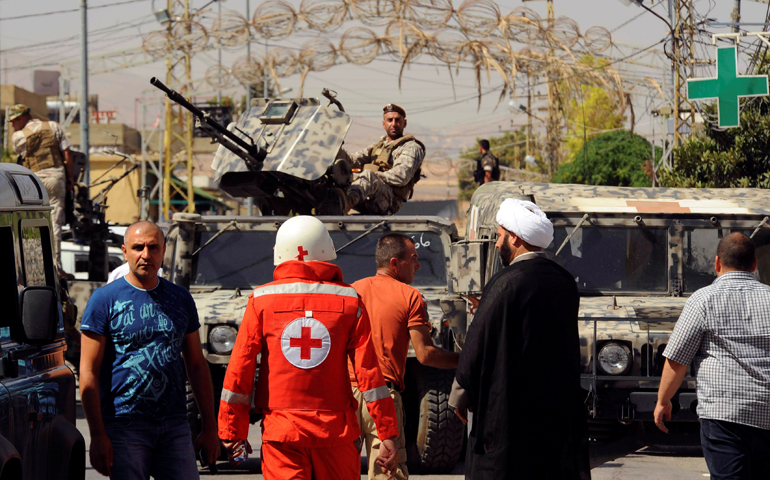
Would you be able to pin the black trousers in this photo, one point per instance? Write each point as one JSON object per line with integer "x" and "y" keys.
{"x": 734, "y": 451}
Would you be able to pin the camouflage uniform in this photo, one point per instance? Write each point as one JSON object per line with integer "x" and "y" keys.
{"x": 41, "y": 145}
{"x": 381, "y": 187}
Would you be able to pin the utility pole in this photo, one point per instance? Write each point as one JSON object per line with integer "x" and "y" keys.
{"x": 529, "y": 114}
{"x": 179, "y": 10}
{"x": 249, "y": 201}
{"x": 84, "y": 117}
{"x": 736, "y": 16}
{"x": 264, "y": 73}
{"x": 219, "y": 52}
{"x": 553, "y": 127}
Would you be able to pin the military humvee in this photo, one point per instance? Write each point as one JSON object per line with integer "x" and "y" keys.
{"x": 221, "y": 259}
{"x": 38, "y": 437}
{"x": 636, "y": 254}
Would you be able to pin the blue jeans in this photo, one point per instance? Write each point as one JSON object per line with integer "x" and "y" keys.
{"x": 140, "y": 448}
{"x": 734, "y": 451}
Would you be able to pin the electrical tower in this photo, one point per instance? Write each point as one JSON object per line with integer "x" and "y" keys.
{"x": 554, "y": 124}
{"x": 180, "y": 41}
{"x": 684, "y": 62}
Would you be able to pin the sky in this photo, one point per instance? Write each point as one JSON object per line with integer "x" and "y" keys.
{"x": 434, "y": 107}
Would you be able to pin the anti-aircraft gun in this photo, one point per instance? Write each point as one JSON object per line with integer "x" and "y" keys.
{"x": 282, "y": 152}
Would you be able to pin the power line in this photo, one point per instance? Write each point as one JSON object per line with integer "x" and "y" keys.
{"x": 72, "y": 10}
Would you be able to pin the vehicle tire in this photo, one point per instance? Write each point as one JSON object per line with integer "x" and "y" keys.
{"x": 434, "y": 434}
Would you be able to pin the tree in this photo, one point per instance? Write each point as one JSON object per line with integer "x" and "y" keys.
{"x": 510, "y": 150}
{"x": 591, "y": 112}
{"x": 737, "y": 157}
{"x": 618, "y": 158}
{"x": 590, "y": 109}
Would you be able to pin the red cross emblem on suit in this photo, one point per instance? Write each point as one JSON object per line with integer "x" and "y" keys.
{"x": 305, "y": 342}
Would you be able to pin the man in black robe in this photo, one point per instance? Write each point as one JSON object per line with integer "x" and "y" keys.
{"x": 520, "y": 365}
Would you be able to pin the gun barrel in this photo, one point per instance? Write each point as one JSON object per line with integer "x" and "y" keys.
{"x": 175, "y": 96}
{"x": 158, "y": 84}
{"x": 214, "y": 129}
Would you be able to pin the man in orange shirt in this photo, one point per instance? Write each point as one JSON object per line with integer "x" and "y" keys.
{"x": 398, "y": 314}
{"x": 306, "y": 324}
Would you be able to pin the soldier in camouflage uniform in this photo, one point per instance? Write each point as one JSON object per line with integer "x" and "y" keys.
{"x": 390, "y": 168}
{"x": 487, "y": 165}
{"x": 43, "y": 148}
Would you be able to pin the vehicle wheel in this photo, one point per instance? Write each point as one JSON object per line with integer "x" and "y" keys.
{"x": 434, "y": 434}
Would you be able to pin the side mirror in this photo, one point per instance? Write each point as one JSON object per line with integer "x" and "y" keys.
{"x": 39, "y": 314}
{"x": 466, "y": 267}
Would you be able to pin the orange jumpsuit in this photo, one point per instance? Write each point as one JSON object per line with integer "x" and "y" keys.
{"x": 306, "y": 323}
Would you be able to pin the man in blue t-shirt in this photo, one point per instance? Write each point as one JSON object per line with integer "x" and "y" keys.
{"x": 139, "y": 334}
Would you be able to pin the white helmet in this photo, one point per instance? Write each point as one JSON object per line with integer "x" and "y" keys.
{"x": 303, "y": 238}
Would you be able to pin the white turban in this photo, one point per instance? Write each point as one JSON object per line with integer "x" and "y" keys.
{"x": 526, "y": 221}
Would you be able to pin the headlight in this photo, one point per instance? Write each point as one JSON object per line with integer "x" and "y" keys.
{"x": 222, "y": 339}
{"x": 614, "y": 358}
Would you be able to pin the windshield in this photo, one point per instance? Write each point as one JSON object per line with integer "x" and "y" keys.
{"x": 245, "y": 259}
{"x": 700, "y": 248}
{"x": 614, "y": 259}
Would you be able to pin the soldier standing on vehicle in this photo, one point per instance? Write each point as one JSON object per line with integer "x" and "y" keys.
{"x": 723, "y": 333}
{"x": 43, "y": 148}
{"x": 487, "y": 165}
{"x": 398, "y": 314}
{"x": 519, "y": 372}
{"x": 136, "y": 332}
{"x": 391, "y": 167}
{"x": 305, "y": 325}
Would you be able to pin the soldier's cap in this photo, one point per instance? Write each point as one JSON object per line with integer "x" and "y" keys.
{"x": 392, "y": 107}
{"x": 16, "y": 111}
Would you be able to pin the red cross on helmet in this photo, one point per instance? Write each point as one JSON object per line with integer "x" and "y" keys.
{"x": 303, "y": 238}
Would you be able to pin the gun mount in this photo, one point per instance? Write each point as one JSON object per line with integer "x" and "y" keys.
{"x": 250, "y": 153}
{"x": 282, "y": 152}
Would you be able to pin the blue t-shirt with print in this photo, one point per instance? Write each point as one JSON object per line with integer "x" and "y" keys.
{"x": 142, "y": 374}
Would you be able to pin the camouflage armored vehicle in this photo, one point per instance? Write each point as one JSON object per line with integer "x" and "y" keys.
{"x": 636, "y": 254}
{"x": 283, "y": 153}
{"x": 222, "y": 259}
{"x": 38, "y": 437}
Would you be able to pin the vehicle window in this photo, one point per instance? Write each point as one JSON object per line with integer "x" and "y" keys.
{"x": 9, "y": 287}
{"x": 37, "y": 256}
{"x": 357, "y": 260}
{"x": 700, "y": 248}
{"x": 245, "y": 259}
{"x": 614, "y": 259}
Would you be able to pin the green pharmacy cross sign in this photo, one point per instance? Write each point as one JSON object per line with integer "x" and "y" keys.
{"x": 728, "y": 88}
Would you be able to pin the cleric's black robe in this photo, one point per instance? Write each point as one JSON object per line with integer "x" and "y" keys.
{"x": 520, "y": 367}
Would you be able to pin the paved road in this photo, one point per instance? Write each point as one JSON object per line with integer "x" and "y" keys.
{"x": 626, "y": 459}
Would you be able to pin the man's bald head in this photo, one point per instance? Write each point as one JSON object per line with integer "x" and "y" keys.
{"x": 143, "y": 227}
{"x": 143, "y": 247}
{"x": 737, "y": 252}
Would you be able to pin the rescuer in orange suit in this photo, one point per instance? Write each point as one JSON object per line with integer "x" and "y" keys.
{"x": 306, "y": 323}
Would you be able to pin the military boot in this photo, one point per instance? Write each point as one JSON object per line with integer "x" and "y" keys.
{"x": 352, "y": 198}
